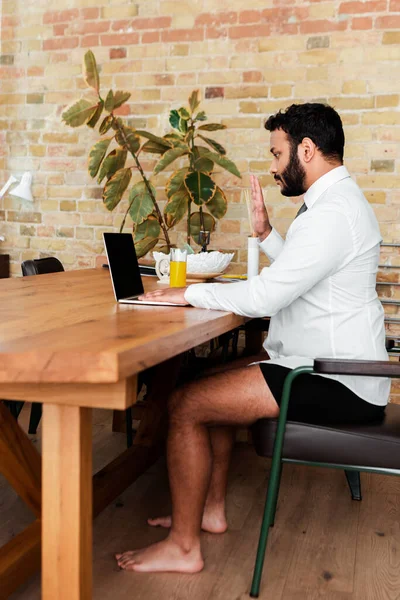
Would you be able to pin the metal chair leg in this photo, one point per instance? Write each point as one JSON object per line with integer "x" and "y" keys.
{"x": 354, "y": 481}
{"x": 274, "y": 479}
{"x": 276, "y": 497}
{"x": 34, "y": 419}
{"x": 269, "y": 514}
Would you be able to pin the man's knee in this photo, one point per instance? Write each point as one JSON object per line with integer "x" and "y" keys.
{"x": 180, "y": 403}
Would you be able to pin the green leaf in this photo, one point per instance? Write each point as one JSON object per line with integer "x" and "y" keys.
{"x": 96, "y": 155}
{"x": 169, "y": 157}
{"x": 176, "y": 208}
{"x": 90, "y": 72}
{"x": 223, "y": 162}
{"x": 184, "y": 114}
{"x": 109, "y": 103}
{"x": 194, "y": 100}
{"x": 175, "y": 183}
{"x": 200, "y": 186}
{"x": 195, "y": 224}
{"x": 141, "y": 204}
{"x": 174, "y": 119}
{"x": 202, "y": 164}
{"x": 112, "y": 163}
{"x": 117, "y": 123}
{"x": 154, "y": 138}
{"x": 126, "y": 137}
{"x": 211, "y": 127}
{"x": 120, "y": 98}
{"x": 154, "y": 148}
{"x": 96, "y": 116}
{"x": 218, "y": 205}
{"x": 150, "y": 228}
{"x": 201, "y": 116}
{"x": 105, "y": 124}
{"x": 144, "y": 246}
{"x": 215, "y": 145}
{"x": 115, "y": 187}
{"x": 79, "y": 112}
{"x": 174, "y": 138}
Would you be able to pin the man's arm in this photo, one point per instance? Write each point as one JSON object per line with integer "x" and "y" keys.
{"x": 319, "y": 246}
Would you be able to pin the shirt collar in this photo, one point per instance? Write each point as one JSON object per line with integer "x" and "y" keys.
{"x": 323, "y": 183}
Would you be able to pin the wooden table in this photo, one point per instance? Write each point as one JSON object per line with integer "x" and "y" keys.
{"x": 65, "y": 342}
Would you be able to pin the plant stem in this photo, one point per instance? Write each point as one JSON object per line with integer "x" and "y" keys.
{"x": 148, "y": 186}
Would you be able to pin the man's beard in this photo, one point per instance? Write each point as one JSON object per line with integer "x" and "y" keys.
{"x": 293, "y": 177}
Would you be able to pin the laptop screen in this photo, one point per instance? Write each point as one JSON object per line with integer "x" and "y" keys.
{"x": 124, "y": 268}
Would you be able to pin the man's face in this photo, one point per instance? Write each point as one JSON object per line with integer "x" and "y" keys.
{"x": 286, "y": 168}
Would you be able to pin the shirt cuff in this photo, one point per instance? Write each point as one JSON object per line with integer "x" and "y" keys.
{"x": 195, "y": 294}
{"x": 272, "y": 245}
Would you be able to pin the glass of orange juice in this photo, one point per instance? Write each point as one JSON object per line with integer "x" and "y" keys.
{"x": 177, "y": 267}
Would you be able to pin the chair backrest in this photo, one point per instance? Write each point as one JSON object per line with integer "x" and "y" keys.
{"x": 40, "y": 266}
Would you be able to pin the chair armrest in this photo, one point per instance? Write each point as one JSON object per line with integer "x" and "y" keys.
{"x": 370, "y": 368}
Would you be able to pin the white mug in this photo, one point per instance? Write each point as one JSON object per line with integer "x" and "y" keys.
{"x": 162, "y": 267}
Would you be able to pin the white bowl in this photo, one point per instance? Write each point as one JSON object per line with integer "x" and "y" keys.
{"x": 204, "y": 262}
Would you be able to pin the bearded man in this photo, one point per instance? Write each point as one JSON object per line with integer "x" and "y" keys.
{"x": 320, "y": 294}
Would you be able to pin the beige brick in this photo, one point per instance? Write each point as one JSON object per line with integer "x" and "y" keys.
{"x": 381, "y": 118}
{"x": 317, "y": 73}
{"x": 375, "y": 197}
{"x": 323, "y": 10}
{"x": 84, "y": 233}
{"x": 352, "y": 103}
{"x": 318, "y": 57}
{"x": 275, "y": 44}
{"x": 387, "y": 100}
{"x": 279, "y": 91}
{"x": 37, "y": 150}
{"x": 49, "y": 205}
{"x": 379, "y": 181}
{"x": 391, "y": 37}
{"x": 354, "y": 87}
{"x": 180, "y": 50}
{"x": 68, "y": 205}
{"x": 123, "y": 11}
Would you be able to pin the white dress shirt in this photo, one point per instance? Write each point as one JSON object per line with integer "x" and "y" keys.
{"x": 320, "y": 288}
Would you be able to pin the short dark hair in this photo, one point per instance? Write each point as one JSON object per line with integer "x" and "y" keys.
{"x": 319, "y": 122}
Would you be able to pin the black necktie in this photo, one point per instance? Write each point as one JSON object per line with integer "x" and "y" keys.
{"x": 302, "y": 209}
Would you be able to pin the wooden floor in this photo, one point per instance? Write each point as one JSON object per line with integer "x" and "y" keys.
{"x": 324, "y": 545}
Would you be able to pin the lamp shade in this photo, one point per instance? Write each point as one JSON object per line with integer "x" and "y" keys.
{"x": 5, "y": 187}
{"x": 23, "y": 189}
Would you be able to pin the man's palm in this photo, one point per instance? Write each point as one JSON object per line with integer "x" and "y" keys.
{"x": 261, "y": 224}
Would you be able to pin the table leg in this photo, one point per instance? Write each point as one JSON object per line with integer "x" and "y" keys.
{"x": 67, "y": 503}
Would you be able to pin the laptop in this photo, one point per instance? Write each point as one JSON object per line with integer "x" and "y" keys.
{"x": 124, "y": 270}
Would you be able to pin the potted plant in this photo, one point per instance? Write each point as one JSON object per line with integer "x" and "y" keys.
{"x": 191, "y": 185}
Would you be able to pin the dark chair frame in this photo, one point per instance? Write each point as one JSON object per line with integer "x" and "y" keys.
{"x": 322, "y": 366}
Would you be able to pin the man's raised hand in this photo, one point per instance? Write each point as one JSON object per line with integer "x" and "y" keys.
{"x": 261, "y": 225}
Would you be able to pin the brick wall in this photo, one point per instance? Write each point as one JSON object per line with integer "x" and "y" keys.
{"x": 247, "y": 63}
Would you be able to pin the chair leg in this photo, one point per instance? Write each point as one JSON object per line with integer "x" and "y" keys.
{"x": 354, "y": 481}
{"x": 129, "y": 429}
{"x": 276, "y": 497}
{"x": 268, "y": 518}
{"x": 34, "y": 419}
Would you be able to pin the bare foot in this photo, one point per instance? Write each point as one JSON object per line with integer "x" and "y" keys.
{"x": 161, "y": 557}
{"x": 214, "y": 521}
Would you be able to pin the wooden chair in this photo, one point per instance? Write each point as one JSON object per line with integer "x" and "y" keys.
{"x": 373, "y": 448}
{"x": 41, "y": 266}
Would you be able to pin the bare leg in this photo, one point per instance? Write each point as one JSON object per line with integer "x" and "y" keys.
{"x": 214, "y": 518}
{"x": 232, "y": 398}
{"x": 222, "y": 438}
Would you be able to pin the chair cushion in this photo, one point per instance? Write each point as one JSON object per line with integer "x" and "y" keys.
{"x": 375, "y": 444}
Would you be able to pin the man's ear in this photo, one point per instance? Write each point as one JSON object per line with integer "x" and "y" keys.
{"x": 307, "y": 149}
